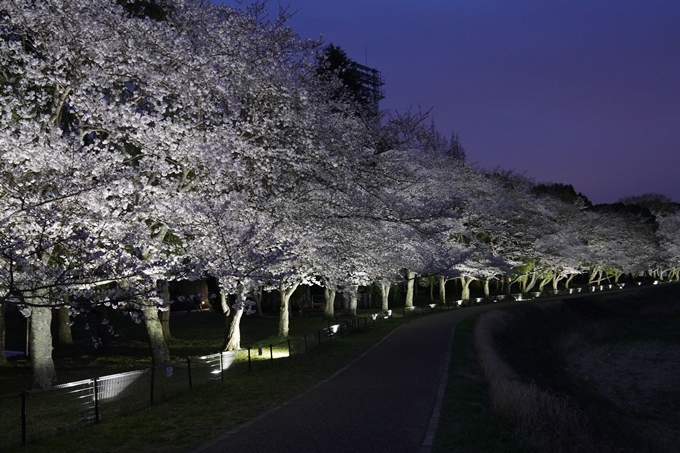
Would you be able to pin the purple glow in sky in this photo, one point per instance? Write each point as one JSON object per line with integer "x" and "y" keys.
{"x": 581, "y": 92}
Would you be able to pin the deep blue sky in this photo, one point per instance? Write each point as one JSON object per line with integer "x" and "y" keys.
{"x": 583, "y": 92}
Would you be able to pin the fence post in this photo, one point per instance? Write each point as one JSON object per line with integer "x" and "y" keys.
{"x": 318, "y": 332}
{"x": 189, "y": 371}
{"x": 23, "y": 417}
{"x": 153, "y": 375}
{"x": 96, "y": 400}
{"x": 221, "y": 368}
{"x": 289, "y": 350}
{"x": 249, "y": 368}
{"x": 271, "y": 352}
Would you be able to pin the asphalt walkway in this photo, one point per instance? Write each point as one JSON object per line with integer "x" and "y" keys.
{"x": 385, "y": 401}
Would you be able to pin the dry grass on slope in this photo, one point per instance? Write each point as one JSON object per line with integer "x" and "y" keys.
{"x": 549, "y": 420}
{"x": 574, "y": 384}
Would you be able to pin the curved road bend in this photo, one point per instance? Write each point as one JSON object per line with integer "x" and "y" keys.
{"x": 382, "y": 402}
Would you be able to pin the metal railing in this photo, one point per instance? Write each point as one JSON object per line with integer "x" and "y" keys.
{"x": 30, "y": 416}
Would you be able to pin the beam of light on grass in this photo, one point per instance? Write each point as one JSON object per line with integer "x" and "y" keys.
{"x": 278, "y": 353}
{"x": 112, "y": 386}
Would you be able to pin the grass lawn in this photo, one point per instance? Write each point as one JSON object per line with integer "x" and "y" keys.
{"x": 192, "y": 417}
{"x": 467, "y": 423}
{"x": 194, "y": 334}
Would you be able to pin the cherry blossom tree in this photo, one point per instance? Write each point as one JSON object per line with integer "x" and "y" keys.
{"x": 669, "y": 242}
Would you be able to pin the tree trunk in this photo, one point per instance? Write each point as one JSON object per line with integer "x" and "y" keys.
{"x": 385, "y": 296}
{"x": 102, "y": 329}
{"x": 65, "y": 336}
{"x": 164, "y": 318}
{"x": 442, "y": 289}
{"x": 530, "y": 283}
{"x": 284, "y": 320}
{"x": 487, "y": 293}
{"x": 165, "y": 314}
{"x": 431, "y": 289}
{"x": 345, "y": 301}
{"x": 3, "y": 358}
{"x": 234, "y": 343}
{"x": 569, "y": 279}
{"x": 507, "y": 285}
{"x": 556, "y": 280}
{"x": 257, "y": 294}
{"x": 522, "y": 280}
{"x": 40, "y": 345}
{"x": 465, "y": 287}
{"x": 329, "y": 301}
{"x": 226, "y": 311}
{"x": 411, "y": 276}
{"x": 594, "y": 276}
{"x": 160, "y": 354}
{"x": 353, "y": 300}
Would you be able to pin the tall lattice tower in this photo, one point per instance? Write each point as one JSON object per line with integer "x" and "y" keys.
{"x": 372, "y": 83}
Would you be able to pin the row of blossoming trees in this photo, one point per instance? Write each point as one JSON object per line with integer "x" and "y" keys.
{"x": 143, "y": 142}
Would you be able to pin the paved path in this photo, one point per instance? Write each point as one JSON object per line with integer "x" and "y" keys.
{"x": 382, "y": 402}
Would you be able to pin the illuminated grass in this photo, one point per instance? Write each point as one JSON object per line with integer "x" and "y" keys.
{"x": 194, "y": 417}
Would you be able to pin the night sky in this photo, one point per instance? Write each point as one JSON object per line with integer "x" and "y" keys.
{"x": 579, "y": 92}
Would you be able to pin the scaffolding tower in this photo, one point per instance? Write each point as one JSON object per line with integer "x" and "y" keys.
{"x": 372, "y": 82}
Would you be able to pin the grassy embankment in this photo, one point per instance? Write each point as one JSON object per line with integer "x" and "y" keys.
{"x": 569, "y": 382}
{"x": 468, "y": 423}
